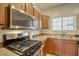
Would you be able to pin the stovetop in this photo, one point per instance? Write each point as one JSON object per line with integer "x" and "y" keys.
{"x": 28, "y": 42}
{"x": 23, "y": 45}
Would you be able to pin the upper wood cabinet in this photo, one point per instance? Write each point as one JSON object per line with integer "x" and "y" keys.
{"x": 29, "y": 8}
{"x": 39, "y": 20}
{"x": 4, "y": 14}
{"x": 36, "y": 14}
{"x": 45, "y": 22}
{"x": 70, "y": 48}
{"x": 20, "y": 6}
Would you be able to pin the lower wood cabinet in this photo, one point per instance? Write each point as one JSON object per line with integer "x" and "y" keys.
{"x": 70, "y": 48}
{"x": 61, "y": 47}
{"x": 45, "y": 47}
{"x": 58, "y": 47}
{"x": 55, "y": 46}
{"x": 51, "y": 46}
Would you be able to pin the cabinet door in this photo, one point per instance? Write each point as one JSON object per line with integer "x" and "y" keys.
{"x": 36, "y": 14}
{"x": 40, "y": 21}
{"x": 55, "y": 46}
{"x": 20, "y": 6}
{"x": 51, "y": 45}
{"x": 4, "y": 14}
{"x": 45, "y": 22}
{"x": 78, "y": 50}
{"x": 29, "y": 8}
{"x": 70, "y": 48}
{"x": 58, "y": 46}
{"x": 45, "y": 47}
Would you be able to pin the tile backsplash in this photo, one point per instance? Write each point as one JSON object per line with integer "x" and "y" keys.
{"x": 31, "y": 32}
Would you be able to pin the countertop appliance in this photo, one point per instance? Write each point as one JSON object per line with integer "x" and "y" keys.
{"x": 21, "y": 20}
{"x": 21, "y": 44}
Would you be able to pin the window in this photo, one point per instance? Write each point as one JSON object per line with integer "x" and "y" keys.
{"x": 57, "y": 22}
{"x": 64, "y": 23}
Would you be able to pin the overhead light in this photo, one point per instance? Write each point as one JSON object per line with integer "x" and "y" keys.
{"x": 22, "y": 11}
{"x": 13, "y": 7}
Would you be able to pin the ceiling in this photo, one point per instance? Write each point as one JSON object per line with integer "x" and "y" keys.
{"x": 44, "y": 6}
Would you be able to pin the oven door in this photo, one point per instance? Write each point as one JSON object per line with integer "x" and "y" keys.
{"x": 38, "y": 53}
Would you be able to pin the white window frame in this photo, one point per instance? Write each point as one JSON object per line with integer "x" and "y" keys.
{"x": 52, "y": 23}
{"x": 62, "y": 24}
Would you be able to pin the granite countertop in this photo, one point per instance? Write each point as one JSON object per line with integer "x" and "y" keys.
{"x": 6, "y": 52}
{"x": 44, "y": 37}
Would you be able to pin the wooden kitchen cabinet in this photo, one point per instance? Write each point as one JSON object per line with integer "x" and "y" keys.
{"x": 61, "y": 47}
{"x": 36, "y": 14}
{"x": 4, "y": 14}
{"x": 70, "y": 48}
{"x": 40, "y": 21}
{"x": 29, "y": 8}
{"x": 58, "y": 50}
{"x": 20, "y": 6}
{"x": 45, "y": 47}
{"x": 51, "y": 47}
{"x": 55, "y": 46}
{"x": 45, "y": 22}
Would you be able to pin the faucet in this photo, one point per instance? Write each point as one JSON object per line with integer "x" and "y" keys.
{"x": 64, "y": 33}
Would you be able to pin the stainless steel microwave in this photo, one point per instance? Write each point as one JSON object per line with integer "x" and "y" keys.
{"x": 20, "y": 19}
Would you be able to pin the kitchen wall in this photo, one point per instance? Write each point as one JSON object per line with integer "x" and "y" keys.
{"x": 63, "y": 10}
{"x": 31, "y": 32}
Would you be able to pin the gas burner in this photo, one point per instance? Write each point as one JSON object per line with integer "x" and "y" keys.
{"x": 22, "y": 44}
{"x": 27, "y": 42}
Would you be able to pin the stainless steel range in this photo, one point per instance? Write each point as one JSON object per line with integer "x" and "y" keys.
{"x": 21, "y": 44}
